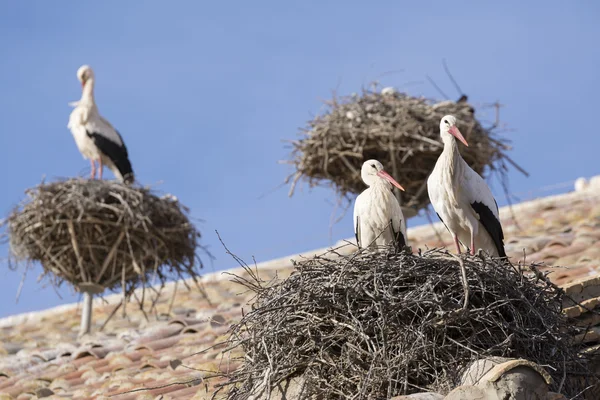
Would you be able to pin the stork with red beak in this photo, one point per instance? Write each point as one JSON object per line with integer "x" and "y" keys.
{"x": 378, "y": 219}
{"x": 462, "y": 199}
{"x": 95, "y": 137}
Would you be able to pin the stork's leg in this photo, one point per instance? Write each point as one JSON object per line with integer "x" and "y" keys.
{"x": 456, "y": 243}
{"x": 474, "y": 231}
{"x": 101, "y": 168}
{"x": 93, "y": 172}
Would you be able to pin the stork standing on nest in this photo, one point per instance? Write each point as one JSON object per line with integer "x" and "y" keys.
{"x": 95, "y": 137}
{"x": 462, "y": 199}
{"x": 378, "y": 219}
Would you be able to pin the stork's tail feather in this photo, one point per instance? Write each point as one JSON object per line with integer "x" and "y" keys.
{"x": 129, "y": 179}
{"x": 124, "y": 170}
{"x": 398, "y": 237}
{"x": 501, "y": 251}
{"x": 400, "y": 241}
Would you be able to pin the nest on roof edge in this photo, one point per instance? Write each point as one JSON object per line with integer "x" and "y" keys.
{"x": 400, "y": 131}
{"x": 369, "y": 326}
{"x": 98, "y": 234}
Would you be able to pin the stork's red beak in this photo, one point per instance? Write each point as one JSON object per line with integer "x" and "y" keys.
{"x": 456, "y": 133}
{"x": 386, "y": 176}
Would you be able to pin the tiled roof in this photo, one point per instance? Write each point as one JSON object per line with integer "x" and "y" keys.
{"x": 181, "y": 338}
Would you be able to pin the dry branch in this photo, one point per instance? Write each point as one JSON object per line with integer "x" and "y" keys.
{"x": 102, "y": 233}
{"x": 400, "y": 131}
{"x": 372, "y": 326}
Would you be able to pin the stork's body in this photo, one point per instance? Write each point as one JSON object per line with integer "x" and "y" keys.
{"x": 378, "y": 219}
{"x": 462, "y": 199}
{"x": 95, "y": 137}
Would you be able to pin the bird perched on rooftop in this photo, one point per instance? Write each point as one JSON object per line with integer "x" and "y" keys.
{"x": 462, "y": 199}
{"x": 95, "y": 137}
{"x": 378, "y": 219}
{"x": 388, "y": 91}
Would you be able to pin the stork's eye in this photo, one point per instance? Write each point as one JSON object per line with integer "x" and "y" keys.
{"x": 373, "y": 165}
{"x": 445, "y": 121}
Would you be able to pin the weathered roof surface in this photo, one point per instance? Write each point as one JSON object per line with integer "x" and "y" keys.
{"x": 179, "y": 344}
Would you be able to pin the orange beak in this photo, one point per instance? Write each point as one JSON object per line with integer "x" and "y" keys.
{"x": 387, "y": 177}
{"x": 456, "y": 133}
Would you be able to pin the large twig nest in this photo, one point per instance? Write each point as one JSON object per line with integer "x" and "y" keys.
{"x": 400, "y": 131}
{"x": 372, "y": 326}
{"x": 102, "y": 234}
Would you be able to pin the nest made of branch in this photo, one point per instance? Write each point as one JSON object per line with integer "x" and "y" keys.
{"x": 103, "y": 233}
{"x": 400, "y": 131}
{"x": 374, "y": 326}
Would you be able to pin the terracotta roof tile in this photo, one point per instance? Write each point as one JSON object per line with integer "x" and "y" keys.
{"x": 173, "y": 351}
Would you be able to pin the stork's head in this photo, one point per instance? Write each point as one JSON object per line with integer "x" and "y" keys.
{"x": 372, "y": 172}
{"x": 448, "y": 129}
{"x": 84, "y": 74}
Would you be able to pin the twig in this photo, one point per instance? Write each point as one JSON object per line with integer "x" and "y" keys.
{"x": 76, "y": 250}
{"x": 460, "y": 92}
{"x": 110, "y": 256}
{"x": 408, "y": 329}
{"x": 75, "y": 228}
{"x": 440, "y": 91}
{"x": 400, "y": 131}
{"x": 463, "y": 274}
{"x": 182, "y": 383}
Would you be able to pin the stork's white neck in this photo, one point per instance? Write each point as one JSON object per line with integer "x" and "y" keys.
{"x": 450, "y": 155}
{"x": 87, "y": 94}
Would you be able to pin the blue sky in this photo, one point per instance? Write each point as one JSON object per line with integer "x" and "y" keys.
{"x": 204, "y": 93}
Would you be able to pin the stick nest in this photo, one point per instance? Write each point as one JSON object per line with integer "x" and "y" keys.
{"x": 372, "y": 326}
{"x": 102, "y": 234}
{"x": 400, "y": 131}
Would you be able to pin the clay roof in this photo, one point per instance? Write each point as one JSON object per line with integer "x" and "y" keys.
{"x": 179, "y": 343}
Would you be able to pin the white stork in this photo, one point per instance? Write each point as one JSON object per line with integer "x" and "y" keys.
{"x": 462, "y": 199}
{"x": 378, "y": 219}
{"x": 95, "y": 137}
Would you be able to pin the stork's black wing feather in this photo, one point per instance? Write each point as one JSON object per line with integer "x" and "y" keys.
{"x": 357, "y": 231}
{"x": 399, "y": 239}
{"x": 116, "y": 152}
{"x": 442, "y": 221}
{"x": 491, "y": 224}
